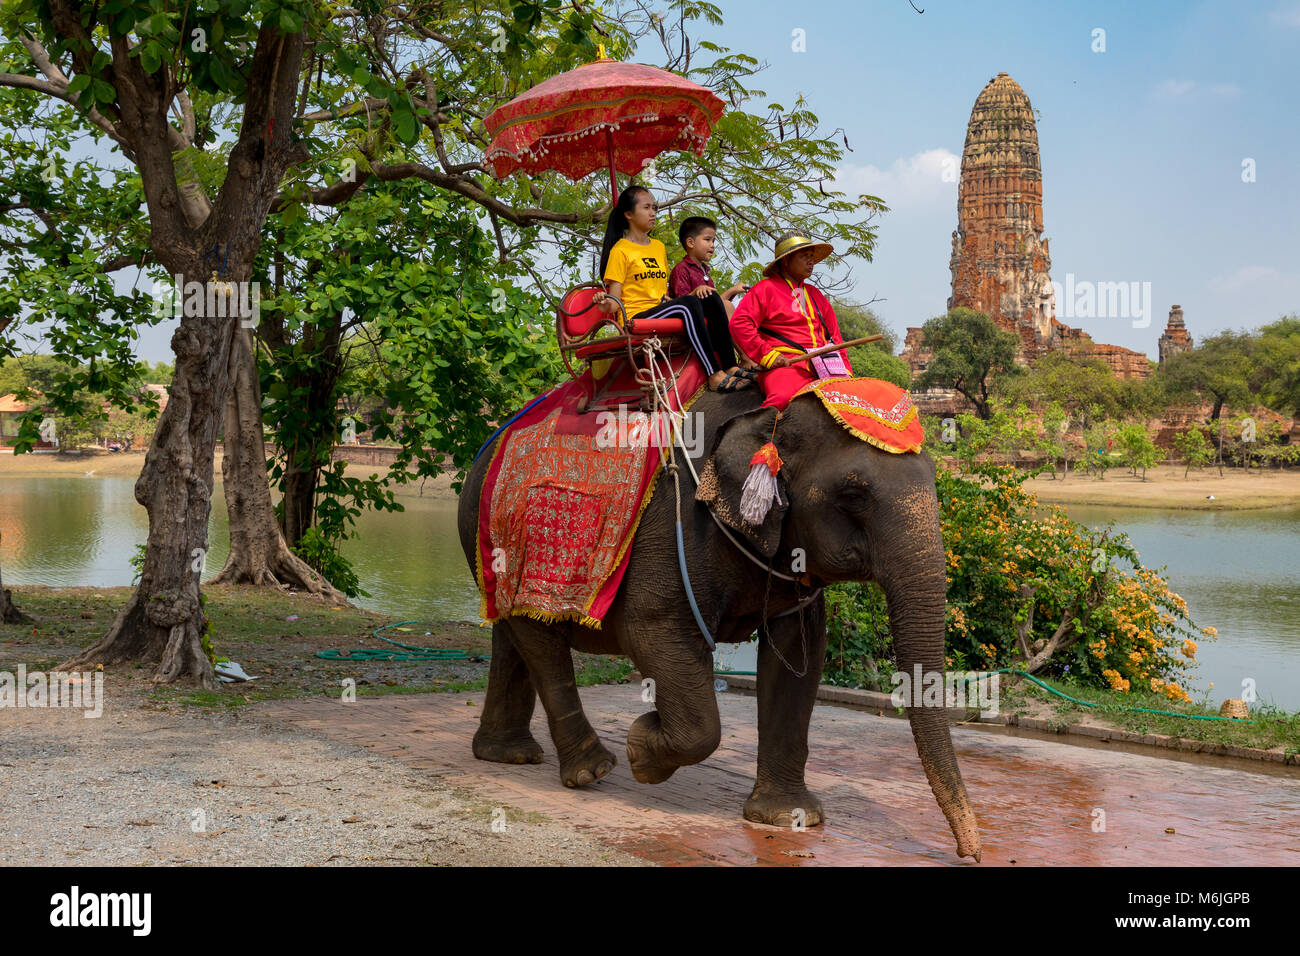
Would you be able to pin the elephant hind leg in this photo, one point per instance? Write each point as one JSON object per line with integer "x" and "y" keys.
{"x": 549, "y": 664}
{"x": 503, "y": 734}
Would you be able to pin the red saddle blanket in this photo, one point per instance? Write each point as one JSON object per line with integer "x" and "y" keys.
{"x": 563, "y": 496}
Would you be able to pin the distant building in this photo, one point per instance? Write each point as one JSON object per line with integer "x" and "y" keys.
{"x": 162, "y": 393}
{"x": 1176, "y": 339}
{"x": 11, "y": 411}
{"x": 1000, "y": 262}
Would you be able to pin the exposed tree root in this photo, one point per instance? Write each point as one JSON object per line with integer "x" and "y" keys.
{"x": 177, "y": 648}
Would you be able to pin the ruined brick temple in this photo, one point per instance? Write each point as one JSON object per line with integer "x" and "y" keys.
{"x": 1000, "y": 261}
{"x": 1176, "y": 338}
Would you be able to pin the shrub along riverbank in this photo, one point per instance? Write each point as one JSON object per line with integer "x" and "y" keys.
{"x": 1029, "y": 588}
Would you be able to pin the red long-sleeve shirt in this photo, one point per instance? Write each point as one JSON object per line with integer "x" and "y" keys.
{"x": 774, "y": 305}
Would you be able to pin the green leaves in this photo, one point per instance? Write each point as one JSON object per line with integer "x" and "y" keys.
{"x": 289, "y": 21}
{"x": 970, "y": 351}
{"x": 405, "y": 125}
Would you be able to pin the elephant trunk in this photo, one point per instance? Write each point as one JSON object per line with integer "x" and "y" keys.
{"x": 915, "y": 589}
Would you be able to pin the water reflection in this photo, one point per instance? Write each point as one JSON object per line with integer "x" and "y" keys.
{"x": 1237, "y": 570}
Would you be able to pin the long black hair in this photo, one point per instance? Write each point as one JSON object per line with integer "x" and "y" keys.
{"x": 617, "y": 224}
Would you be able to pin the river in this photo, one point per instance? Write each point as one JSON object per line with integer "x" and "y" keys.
{"x": 1237, "y": 570}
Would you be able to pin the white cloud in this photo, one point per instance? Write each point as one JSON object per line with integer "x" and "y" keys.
{"x": 1174, "y": 89}
{"x": 1246, "y": 275}
{"x": 922, "y": 179}
{"x": 1171, "y": 88}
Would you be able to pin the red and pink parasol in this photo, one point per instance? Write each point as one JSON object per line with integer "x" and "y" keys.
{"x": 602, "y": 114}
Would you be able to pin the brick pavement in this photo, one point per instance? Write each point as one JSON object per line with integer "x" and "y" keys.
{"x": 1035, "y": 799}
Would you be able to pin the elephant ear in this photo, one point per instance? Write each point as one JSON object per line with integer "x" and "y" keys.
{"x": 725, "y": 472}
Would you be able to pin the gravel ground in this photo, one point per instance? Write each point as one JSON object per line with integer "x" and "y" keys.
{"x": 132, "y": 787}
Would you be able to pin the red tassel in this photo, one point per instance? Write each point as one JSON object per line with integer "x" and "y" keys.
{"x": 767, "y": 455}
{"x": 760, "y": 488}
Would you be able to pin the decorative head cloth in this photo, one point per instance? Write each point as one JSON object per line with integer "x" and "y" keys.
{"x": 878, "y": 412}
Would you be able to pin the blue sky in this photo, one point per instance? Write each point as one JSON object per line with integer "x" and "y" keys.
{"x": 1142, "y": 145}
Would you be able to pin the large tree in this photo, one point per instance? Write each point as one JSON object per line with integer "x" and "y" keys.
{"x": 970, "y": 354}
{"x": 320, "y": 100}
{"x": 1219, "y": 370}
{"x": 1277, "y": 365}
{"x": 393, "y": 325}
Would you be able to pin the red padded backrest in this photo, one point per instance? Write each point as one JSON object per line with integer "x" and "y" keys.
{"x": 576, "y": 326}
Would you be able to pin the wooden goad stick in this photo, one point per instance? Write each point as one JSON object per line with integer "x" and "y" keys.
{"x": 834, "y": 347}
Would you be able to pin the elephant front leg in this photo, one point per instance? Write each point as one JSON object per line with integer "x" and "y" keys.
{"x": 684, "y": 728}
{"x": 785, "y": 705}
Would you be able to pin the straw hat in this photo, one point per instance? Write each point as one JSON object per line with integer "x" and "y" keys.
{"x": 793, "y": 242}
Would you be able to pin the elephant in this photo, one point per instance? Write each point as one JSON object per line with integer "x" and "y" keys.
{"x": 857, "y": 512}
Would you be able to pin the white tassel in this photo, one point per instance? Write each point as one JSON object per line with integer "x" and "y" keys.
{"x": 760, "y": 488}
{"x": 757, "y": 494}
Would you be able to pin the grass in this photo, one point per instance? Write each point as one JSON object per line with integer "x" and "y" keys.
{"x": 275, "y": 637}
{"x": 1269, "y": 727}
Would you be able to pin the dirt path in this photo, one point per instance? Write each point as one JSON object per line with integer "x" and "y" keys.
{"x": 132, "y": 787}
{"x": 1038, "y": 801}
{"x": 127, "y": 788}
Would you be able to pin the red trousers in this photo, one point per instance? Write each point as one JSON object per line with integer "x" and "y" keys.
{"x": 780, "y": 384}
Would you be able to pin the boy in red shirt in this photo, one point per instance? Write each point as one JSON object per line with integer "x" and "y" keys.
{"x": 784, "y": 316}
{"x": 691, "y": 276}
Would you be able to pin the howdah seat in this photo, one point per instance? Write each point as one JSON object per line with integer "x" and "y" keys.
{"x": 589, "y": 335}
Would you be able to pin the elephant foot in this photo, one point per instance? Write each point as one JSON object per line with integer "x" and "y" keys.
{"x": 592, "y": 763}
{"x": 509, "y": 750}
{"x": 784, "y": 809}
{"x": 644, "y": 767}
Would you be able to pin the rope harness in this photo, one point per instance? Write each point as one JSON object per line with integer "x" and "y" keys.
{"x": 657, "y": 383}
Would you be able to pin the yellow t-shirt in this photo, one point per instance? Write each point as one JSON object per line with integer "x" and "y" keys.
{"x": 643, "y": 271}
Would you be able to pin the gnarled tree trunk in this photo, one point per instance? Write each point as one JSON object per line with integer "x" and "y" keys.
{"x": 258, "y": 552}
{"x": 8, "y": 613}
{"x": 164, "y": 619}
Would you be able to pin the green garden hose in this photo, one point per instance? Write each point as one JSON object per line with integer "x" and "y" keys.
{"x": 409, "y": 652}
{"x": 1090, "y": 703}
{"x": 412, "y": 652}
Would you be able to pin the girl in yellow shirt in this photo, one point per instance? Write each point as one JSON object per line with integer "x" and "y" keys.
{"x": 635, "y": 269}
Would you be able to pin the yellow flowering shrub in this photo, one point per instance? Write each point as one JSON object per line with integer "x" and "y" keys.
{"x": 1125, "y": 625}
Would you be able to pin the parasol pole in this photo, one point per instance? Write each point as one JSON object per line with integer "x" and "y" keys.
{"x": 613, "y": 177}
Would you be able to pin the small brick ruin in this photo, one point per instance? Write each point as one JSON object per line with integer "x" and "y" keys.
{"x": 1175, "y": 339}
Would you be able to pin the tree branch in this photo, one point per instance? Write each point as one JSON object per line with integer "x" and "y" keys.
{"x": 471, "y": 190}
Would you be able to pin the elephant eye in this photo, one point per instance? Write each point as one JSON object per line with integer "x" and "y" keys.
{"x": 854, "y": 498}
